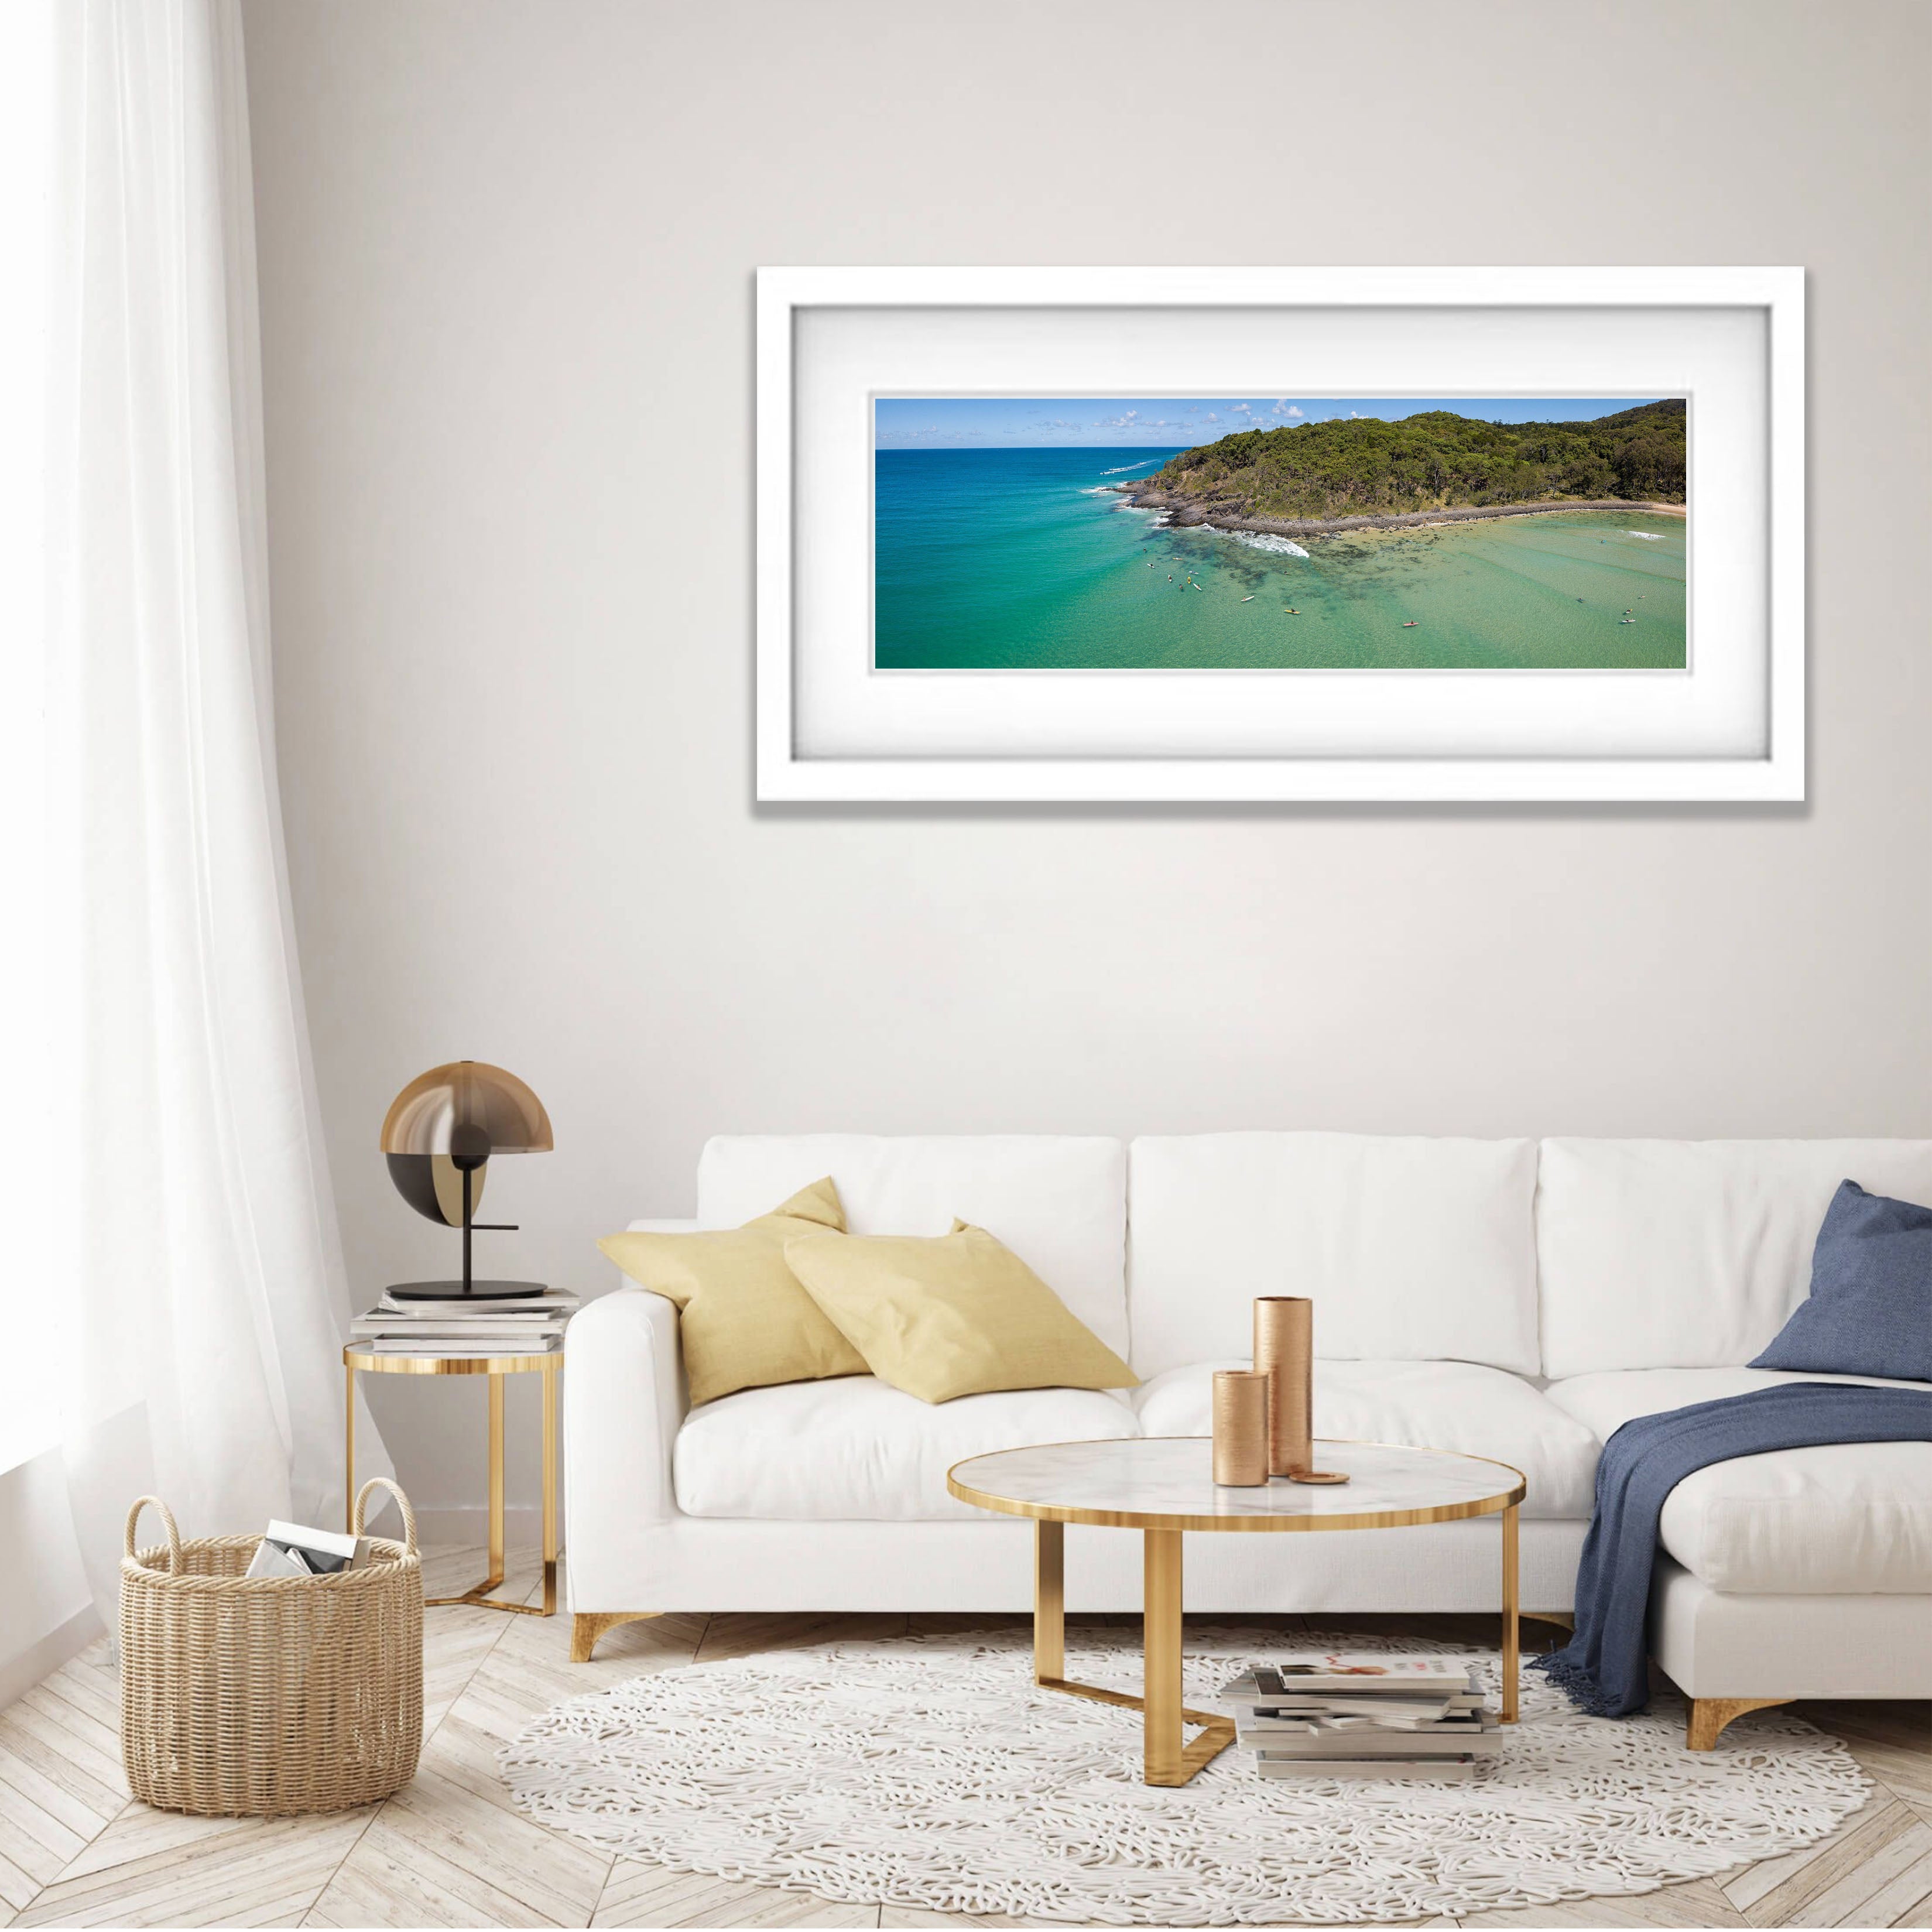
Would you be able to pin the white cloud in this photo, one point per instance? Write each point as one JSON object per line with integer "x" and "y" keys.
{"x": 1283, "y": 407}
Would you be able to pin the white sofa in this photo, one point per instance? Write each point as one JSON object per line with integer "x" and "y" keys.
{"x": 1512, "y": 1298}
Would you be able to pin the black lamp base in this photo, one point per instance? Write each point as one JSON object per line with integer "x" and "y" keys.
{"x": 458, "y": 1291}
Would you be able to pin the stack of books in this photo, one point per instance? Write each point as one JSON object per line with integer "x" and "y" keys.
{"x": 1358, "y": 1716}
{"x": 294, "y": 1549}
{"x": 532, "y": 1326}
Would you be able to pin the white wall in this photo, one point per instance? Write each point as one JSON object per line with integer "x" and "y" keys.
{"x": 506, "y": 256}
{"x": 46, "y": 1612}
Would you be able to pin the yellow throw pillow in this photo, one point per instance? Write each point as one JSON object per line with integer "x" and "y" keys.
{"x": 952, "y": 1314}
{"x": 743, "y": 1320}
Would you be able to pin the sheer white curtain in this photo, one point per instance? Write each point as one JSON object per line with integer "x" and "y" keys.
{"x": 195, "y": 1257}
{"x": 28, "y": 1294}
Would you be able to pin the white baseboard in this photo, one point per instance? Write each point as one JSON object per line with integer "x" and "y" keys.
{"x": 20, "y": 1674}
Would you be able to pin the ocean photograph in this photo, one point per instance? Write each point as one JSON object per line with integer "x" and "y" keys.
{"x": 1280, "y": 533}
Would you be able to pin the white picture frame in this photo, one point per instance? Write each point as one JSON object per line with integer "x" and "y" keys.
{"x": 1729, "y": 728}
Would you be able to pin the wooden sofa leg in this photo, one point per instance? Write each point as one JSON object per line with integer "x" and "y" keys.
{"x": 587, "y": 1626}
{"x": 1709, "y": 1715}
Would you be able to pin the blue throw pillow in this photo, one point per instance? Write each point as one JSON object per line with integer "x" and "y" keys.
{"x": 1870, "y": 1311}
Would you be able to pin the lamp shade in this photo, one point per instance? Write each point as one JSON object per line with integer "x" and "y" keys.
{"x": 438, "y": 1138}
{"x": 468, "y": 1109}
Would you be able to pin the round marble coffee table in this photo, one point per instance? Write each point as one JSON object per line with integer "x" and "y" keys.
{"x": 1163, "y": 1486}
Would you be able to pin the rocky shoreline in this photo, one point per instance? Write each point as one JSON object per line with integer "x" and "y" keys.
{"x": 1190, "y": 512}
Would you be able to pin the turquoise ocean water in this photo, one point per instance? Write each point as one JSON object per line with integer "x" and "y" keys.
{"x": 1023, "y": 559}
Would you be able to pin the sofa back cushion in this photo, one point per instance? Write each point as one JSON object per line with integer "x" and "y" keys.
{"x": 1412, "y": 1248}
{"x": 1690, "y": 1254}
{"x": 1059, "y": 1202}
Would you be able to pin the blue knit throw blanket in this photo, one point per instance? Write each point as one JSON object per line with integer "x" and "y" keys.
{"x": 1602, "y": 1669}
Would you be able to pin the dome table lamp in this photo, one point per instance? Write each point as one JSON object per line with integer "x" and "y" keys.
{"x": 439, "y": 1135}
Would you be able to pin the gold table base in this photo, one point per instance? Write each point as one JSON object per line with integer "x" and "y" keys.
{"x": 1167, "y": 1758}
{"x": 549, "y": 1365}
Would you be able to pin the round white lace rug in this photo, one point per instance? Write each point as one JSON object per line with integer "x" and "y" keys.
{"x": 930, "y": 1772}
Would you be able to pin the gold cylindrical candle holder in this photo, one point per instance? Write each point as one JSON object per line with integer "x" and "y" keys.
{"x": 1240, "y": 1427}
{"x": 1284, "y": 1352}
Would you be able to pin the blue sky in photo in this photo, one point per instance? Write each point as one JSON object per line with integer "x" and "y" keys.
{"x": 993, "y": 422}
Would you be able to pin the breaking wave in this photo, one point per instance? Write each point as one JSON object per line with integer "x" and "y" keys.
{"x": 1648, "y": 536}
{"x": 1262, "y": 540}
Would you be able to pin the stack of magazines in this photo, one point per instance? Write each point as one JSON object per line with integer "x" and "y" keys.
{"x": 465, "y": 1326}
{"x": 1359, "y": 1716}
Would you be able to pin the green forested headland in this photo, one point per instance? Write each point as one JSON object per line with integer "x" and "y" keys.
{"x": 1437, "y": 460}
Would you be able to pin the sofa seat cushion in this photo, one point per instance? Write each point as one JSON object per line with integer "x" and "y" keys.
{"x": 1845, "y": 1519}
{"x": 1459, "y": 1406}
{"x": 855, "y": 1450}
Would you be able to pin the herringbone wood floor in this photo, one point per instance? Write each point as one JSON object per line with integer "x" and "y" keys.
{"x": 76, "y": 1850}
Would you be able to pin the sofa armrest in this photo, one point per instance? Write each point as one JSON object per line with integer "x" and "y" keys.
{"x": 624, "y": 1402}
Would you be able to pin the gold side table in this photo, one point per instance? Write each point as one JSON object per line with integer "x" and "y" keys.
{"x": 549, "y": 1364}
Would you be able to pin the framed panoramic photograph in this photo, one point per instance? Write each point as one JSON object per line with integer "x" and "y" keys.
{"x": 1039, "y": 535}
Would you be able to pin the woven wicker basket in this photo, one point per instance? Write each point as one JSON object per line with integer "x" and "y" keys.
{"x": 273, "y": 1695}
